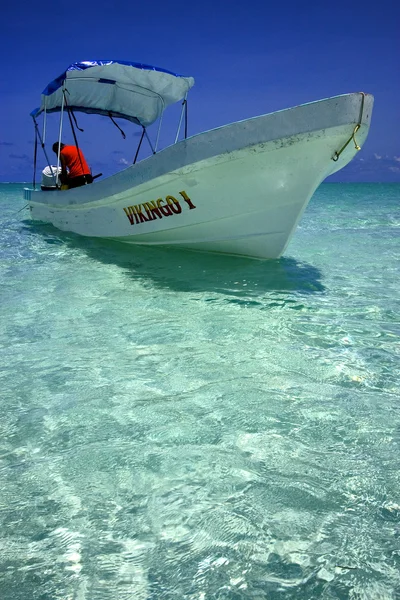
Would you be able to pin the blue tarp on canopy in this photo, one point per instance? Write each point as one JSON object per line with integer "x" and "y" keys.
{"x": 87, "y": 64}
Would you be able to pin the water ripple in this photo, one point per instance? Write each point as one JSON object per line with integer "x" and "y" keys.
{"x": 177, "y": 425}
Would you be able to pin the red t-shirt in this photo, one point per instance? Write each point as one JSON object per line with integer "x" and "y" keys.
{"x": 77, "y": 166}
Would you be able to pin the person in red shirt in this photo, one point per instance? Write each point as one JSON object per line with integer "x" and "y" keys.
{"x": 74, "y": 168}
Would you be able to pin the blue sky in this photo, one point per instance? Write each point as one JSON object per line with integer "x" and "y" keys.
{"x": 248, "y": 58}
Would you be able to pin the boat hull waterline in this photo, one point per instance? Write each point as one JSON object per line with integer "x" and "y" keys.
{"x": 239, "y": 189}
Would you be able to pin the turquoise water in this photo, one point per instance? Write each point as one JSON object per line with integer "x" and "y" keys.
{"x": 186, "y": 426}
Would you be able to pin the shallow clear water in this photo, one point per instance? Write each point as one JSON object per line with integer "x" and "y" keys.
{"x": 178, "y": 425}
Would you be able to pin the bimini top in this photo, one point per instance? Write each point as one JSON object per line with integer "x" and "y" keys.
{"x": 116, "y": 88}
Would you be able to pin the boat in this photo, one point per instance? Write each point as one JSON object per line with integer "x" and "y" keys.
{"x": 238, "y": 189}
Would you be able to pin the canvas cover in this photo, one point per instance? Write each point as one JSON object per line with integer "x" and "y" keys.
{"x": 133, "y": 91}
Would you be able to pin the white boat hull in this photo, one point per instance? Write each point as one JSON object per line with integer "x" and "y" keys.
{"x": 240, "y": 189}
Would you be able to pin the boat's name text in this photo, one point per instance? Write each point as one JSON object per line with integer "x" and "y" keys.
{"x": 163, "y": 207}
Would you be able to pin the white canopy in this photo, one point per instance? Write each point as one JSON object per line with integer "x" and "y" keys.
{"x": 132, "y": 91}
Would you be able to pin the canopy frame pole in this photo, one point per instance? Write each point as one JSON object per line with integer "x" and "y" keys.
{"x": 138, "y": 148}
{"x": 158, "y": 132}
{"x": 181, "y": 117}
{"x": 35, "y": 160}
{"x": 42, "y": 144}
{"x": 44, "y": 120}
{"x": 69, "y": 111}
{"x": 186, "y": 118}
{"x": 60, "y": 133}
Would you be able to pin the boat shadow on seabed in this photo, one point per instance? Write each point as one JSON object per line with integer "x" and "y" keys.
{"x": 242, "y": 279}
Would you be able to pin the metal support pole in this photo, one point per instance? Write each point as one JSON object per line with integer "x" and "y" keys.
{"x": 148, "y": 139}
{"x": 42, "y": 144}
{"x": 181, "y": 117}
{"x": 60, "y": 134}
{"x": 158, "y": 132}
{"x": 44, "y": 121}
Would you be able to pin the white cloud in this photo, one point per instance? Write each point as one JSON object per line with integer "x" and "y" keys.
{"x": 377, "y": 156}
{"x": 396, "y": 158}
{"x": 395, "y": 169}
{"x": 123, "y": 161}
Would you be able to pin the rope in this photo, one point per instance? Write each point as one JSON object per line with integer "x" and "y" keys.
{"x": 75, "y": 121}
{"x": 335, "y": 157}
{"x": 117, "y": 126}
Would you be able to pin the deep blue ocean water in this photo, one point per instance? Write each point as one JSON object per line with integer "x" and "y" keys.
{"x": 177, "y": 425}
